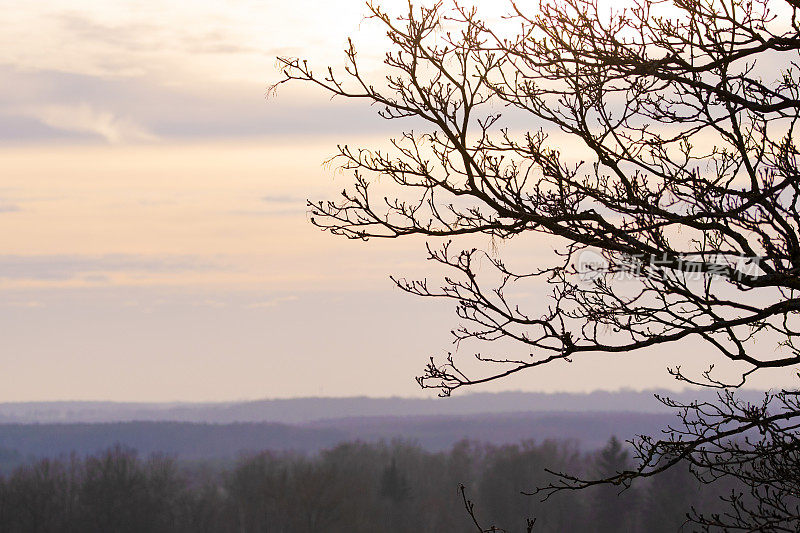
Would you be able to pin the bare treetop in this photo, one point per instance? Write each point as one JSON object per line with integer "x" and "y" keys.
{"x": 690, "y": 183}
{"x": 674, "y": 200}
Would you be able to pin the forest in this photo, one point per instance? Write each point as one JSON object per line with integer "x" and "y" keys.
{"x": 394, "y": 486}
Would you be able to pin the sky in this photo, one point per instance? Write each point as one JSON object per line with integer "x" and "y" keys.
{"x": 154, "y": 239}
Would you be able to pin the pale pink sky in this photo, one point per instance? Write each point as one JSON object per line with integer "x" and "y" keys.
{"x": 154, "y": 242}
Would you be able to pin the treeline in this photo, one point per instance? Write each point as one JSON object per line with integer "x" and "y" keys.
{"x": 354, "y": 487}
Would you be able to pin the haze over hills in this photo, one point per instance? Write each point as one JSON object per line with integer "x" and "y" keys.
{"x": 192, "y": 441}
{"x": 308, "y": 425}
{"x": 303, "y": 410}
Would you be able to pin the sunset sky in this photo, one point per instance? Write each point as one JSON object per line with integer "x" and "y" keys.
{"x": 154, "y": 242}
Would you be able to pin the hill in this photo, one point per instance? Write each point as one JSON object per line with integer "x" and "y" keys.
{"x": 194, "y": 441}
{"x": 302, "y": 410}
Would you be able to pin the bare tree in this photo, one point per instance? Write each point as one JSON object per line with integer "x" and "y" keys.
{"x": 683, "y": 114}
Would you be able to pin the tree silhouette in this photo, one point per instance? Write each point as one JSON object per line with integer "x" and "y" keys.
{"x": 394, "y": 484}
{"x": 611, "y": 512}
{"x": 674, "y": 202}
{"x": 337, "y": 490}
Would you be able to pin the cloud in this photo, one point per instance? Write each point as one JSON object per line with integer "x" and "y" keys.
{"x": 47, "y": 105}
{"x": 272, "y": 302}
{"x": 129, "y": 35}
{"x": 139, "y": 71}
{"x": 51, "y": 267}
{"x": 84, "y": 118}
{"x": 282, "y": 199}
{"x": 266, "y": 212}
{"x": 8, "y": 208}
{"x": 277, "y": 205}
{"x": 21, "y": 303}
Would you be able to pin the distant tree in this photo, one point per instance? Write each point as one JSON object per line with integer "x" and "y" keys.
{"x": 612, "y": 513}
{"x": 316, "y": 498}
{"x": 396, "y": 494}
{"x": 119, "y": 492}
{"x": 511, "y": 471}
{"x": 667, "y": 500}
{"x": 40, "y": 498}
{"x": 337, "y": 490}
{"x": 257, "y": 488}
{"x": 394, "y": 484}
{"x": 675, "y": 166}
{"x": 165, "y": 493}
